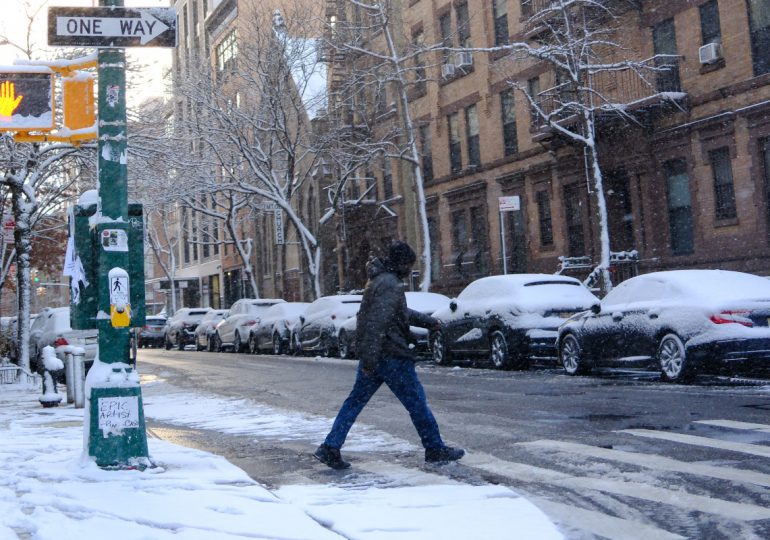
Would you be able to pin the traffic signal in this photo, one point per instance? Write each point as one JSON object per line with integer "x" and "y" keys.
{"x": 79, "y": 109}
{"x": 27, "y": 100}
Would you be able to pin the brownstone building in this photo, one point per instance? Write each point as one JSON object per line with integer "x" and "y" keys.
{"x": 686, "y": 167}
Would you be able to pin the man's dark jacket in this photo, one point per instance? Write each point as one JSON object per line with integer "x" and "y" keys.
{"x": 382, "y": 328}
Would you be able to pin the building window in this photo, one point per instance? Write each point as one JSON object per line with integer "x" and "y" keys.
{"x": 544, "y": 218}
{"x": 387, "y": 179}
{"x": 526, "y": 8}
{"x": 472, "y": 134}
{"x": 478, "y": 242}
{"x": 764, "y": 150}
{"x": 185, "y": 237}
{"x": 759, "y": 28}
{"x": 418, "y": 40}
{"x": 664, "y": 44}
{"x": 445, "y": 26}
{"x": 435, "y": 248}
{"x": 508, "y": 114}
{"x": 574, "y": 214}
{"x": 215, "y": 228}
{"x": 459, "y": 239}
{"x": 500, "y": 13}
{"x": 709, "y": 23}
{"x": 426, "y": 152}
{"x": 724, "y": 192}
{"x": 227, "y": 51}
{"x": 533, "y": 87}
{"x": 455, "y": 158}
{"x": 679, "y": 206}
{"x": 463, "y": 25}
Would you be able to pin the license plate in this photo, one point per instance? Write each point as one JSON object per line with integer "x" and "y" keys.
{"x": 91, "y": 340}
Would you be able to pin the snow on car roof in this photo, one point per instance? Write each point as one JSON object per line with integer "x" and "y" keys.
{"x": 715, "y": 285}
{"x": 510, "y": 284}
{"x": 426, "y": 302}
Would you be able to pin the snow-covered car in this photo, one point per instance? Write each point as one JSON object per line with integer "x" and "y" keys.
{"x": 52, "y": 327}
{"x": 424, "y": 302}
{"x": 233, "y": 332}
{"x": 510, "y": 319}
{"x": 204, "y": 334}
{"x": 152, "y": 333}
{"x": 681, "y": 322}
{"x": 273, "y": 331}
{"x": 180, "y": 328}
{"x": 318, "y": 327}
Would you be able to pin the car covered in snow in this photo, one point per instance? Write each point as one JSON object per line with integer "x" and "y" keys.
{"x": 273, "y": 331}
{"x": 233, "y": 332}
{"x": 52, "y": 328}
{"x": 180, "y": 327}
{"x": 204, "y": 334}
{"x": 681, "y": 322}
{"x": 319, "y": 325}
{"x": 509, "y": 319}
{"x": 424, "y": 302}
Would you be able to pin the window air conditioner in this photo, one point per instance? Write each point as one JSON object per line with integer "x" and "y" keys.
{"x": 463, "y": 59}
{"x": 447, "y": 70}
{"x": 710, "y": 53}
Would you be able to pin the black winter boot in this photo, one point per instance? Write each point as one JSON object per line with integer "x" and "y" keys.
{"x": 330, "y": 457}
{"x": 443, "y": 454}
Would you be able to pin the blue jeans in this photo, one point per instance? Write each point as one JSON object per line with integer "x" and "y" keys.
{"x": 401, "y": 378}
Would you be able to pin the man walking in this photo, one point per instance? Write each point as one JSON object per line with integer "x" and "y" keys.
{"x": 382, "y": 342}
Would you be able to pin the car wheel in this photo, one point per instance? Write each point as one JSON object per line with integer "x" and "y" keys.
{"x": 210, "y": 343}
{"x": 571, "y": 356}
{"x": 237, "y": 345}
{"x": 297, "y": 345}
{"x": 180, "y": 345}
{"x": 253, "y": 349}
{"x": 439, "y": 349}
{"x": 344, "y": 345}
{"x": 498, "y": 351}
{"x": 277, "y": 345}
{"x": 198, "y": 346}
{"x": 674, "y": 366}
{"x": 326, "y": 347}
{"x": 217, "y": 343}
{"x": 168, "y": 344}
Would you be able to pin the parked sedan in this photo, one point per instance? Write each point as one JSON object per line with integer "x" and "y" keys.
{"x": 681, "y": 322}
{"x": 204, "y": 334}
{"x": 318, "y": 327}
{"x": 273, "y": 331}
{"x": 180, "y": 328}
{"x": 510, "y": 319}
{"x": 233, "y": 332}
{"x": 152, "y": 333}
{"x": 424, "y": 302}
{"x": 52, "y": 327}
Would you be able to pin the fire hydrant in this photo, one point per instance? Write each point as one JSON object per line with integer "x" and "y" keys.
{"x": 51, "y": 362}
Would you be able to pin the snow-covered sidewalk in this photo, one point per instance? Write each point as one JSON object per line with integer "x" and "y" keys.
{"x": 48, "y": 490}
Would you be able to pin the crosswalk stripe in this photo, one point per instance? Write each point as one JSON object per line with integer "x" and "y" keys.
{"x": 653, "y": 462}
{"x": 599, "y": 524}
{"x": 677, "y": 498}
{"x": 743, "y": 448}
{"x": 764, "y": 428}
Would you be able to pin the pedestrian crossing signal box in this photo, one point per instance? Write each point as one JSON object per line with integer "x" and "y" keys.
{"x": 87, "y": 246}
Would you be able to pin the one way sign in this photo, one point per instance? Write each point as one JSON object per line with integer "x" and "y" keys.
{"x": 111, "y": 27}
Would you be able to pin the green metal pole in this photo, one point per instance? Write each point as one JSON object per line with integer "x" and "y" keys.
{"x": 117, "y": 435}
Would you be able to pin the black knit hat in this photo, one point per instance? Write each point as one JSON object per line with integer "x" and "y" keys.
{"x": 400, "y": 253}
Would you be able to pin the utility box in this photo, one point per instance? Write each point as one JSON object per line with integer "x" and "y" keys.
{"x": 136, "y": 263}
{"x": 83, "y": 314}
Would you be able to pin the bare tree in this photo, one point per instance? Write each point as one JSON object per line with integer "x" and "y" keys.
{"x": 580, "y": 41}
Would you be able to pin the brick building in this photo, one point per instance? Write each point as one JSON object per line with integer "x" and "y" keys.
{"x": 686, "y": 170}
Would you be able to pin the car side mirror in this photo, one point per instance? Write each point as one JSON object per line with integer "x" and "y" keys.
{"x": 596, "y": 309}
{"x": 453, "y": 305}
{"x": 302, "y": 319}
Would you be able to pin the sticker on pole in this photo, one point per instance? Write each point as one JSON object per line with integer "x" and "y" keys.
{"x": 118, "y": 413}
{"x": 114, "y": 240}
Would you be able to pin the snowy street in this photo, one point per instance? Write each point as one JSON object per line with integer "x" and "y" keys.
{"x": 622, "y": 457}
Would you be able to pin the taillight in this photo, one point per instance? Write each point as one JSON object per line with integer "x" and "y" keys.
{"x": 249, "y": 323}
{"x": 725, "y": 317}
{"x": 60, "y": 341}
